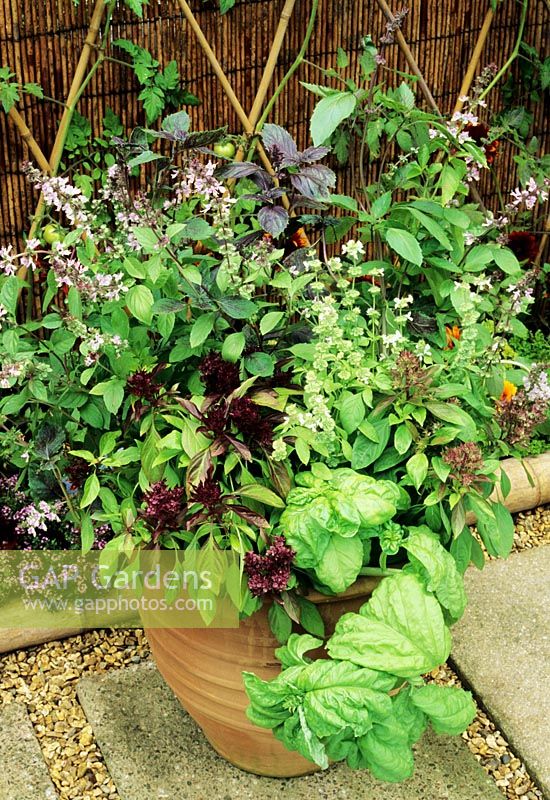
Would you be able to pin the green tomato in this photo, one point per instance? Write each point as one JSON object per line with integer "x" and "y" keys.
{"x": 52, "y": 233}
{"x": 224, "y": 149}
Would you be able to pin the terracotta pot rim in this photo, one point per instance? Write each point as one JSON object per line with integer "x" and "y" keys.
{"x": 362, "y": 586}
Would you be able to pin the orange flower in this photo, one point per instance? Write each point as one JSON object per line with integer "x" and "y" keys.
{"x": 299, "y": 239}
{"x": 510, "y": 389}
{"x": 452, "y": 334}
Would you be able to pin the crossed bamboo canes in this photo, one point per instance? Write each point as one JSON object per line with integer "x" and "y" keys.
{"x": 249, "y": 121}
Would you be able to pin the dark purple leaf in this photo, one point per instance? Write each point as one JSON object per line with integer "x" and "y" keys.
{"x": 264, "y": 197}
{"x": 297, "y": 259}
{"x": 248, "y": 515}
{"x": 190, "y": 407}
{"x": 279, "y": 477}
{"x": 314, "y": 182}
{"x": 204, "y": 138}
{"x": 241, "y": 448}
{"x": 309, "y": 203}
{"x": 247, "y": 240}
{"x": 276, "y": 139}
{"x": 196, "y": 519}
{"x": 239, "y": 169}
{"x": 273, "y": 219}
{"x": 218, "y": 447}
{"x": 177, "y": 124}
{"x": 312, "y": 154}
{"x": 291, "y": 606}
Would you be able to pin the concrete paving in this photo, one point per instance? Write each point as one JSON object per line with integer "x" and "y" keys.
{"x": 154, "y": 751}
{"x": 23, "y": 773}
{"x": 502, "y": 649}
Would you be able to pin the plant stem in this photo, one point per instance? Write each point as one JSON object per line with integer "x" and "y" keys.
{"x": 378, "y": 572}
{"x": 513, "y": 54}
{"x": 59, "y": 478}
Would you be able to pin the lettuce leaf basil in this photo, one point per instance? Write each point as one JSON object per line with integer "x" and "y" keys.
{"x": 367, "y": 704}
{"x": 327, "y": 518}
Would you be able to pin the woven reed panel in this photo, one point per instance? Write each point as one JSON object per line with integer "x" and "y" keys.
{"x": 41, "y": 41}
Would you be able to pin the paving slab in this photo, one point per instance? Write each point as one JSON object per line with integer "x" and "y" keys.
{"x": 502, "y": 649}
{"x": 23, "y": 773}
{"x": 154, "y": 751}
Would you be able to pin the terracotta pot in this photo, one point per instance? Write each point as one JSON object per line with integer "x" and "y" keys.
{"x": 204, "y": 666}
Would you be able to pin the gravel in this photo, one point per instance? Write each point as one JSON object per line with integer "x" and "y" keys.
{"x": 491, "y": 749}
{"x": 44, "y": 678}
{"x": 532, "y": 528}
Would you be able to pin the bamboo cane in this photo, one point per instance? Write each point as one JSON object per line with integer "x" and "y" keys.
{"x": 270, "y": 65}
{"x": 474, "y": 61}
{"x": 220, "y": 74}
{"x": 72, "y": 99}
{"x": 543, "y": 241}
{"x": 271, "y": 62}
{"x": 29, "y": 139}
{"x": 411, "y": 61}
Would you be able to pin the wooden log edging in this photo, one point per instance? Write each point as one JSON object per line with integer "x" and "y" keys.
{"x": 530, "y": 480}
{"x": 529, "y": 477}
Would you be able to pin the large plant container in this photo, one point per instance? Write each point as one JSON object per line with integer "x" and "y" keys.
{"x": 204, "y": 668}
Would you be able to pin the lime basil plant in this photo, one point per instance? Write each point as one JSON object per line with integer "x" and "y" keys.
{"x": 204, "y": 373}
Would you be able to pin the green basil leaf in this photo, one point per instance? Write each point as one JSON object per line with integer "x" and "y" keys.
{"x": 365, "y": 451}
{"x": 329, "y": 113}
{"x": 310, "y": 618}
{"x": 417, "y": 469}
{"x": 438, "y": 568}
{"x": 402, "y": 439}
{"x": 262, "y": 494}
{"x": 140, "y": 303}
{"x": 352, "y": 411}
{"x": 400, "y": 630}
{"x": 449, "y": 709}
{"x": 405, "y": 245}
{"x": 90, "y": 491}
{"x": 202, "y": 327}
{"x": 341, "y": 563}
{"x": 279, "y": 622}
{"x": 293, "y": 652}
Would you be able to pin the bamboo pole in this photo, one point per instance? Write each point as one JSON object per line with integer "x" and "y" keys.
{"x": 543, "y": 241}
{"x": 293, "y": 67}
{"x": 411, "y": 61}
{"x": 29, "y": 139}
{"x": 220, "y": 74}
{"x": 269, "y": 69}
{"x": 474, "y": 61}
{"x": 72, "y": 99}
{"x": 271, "y": 62}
